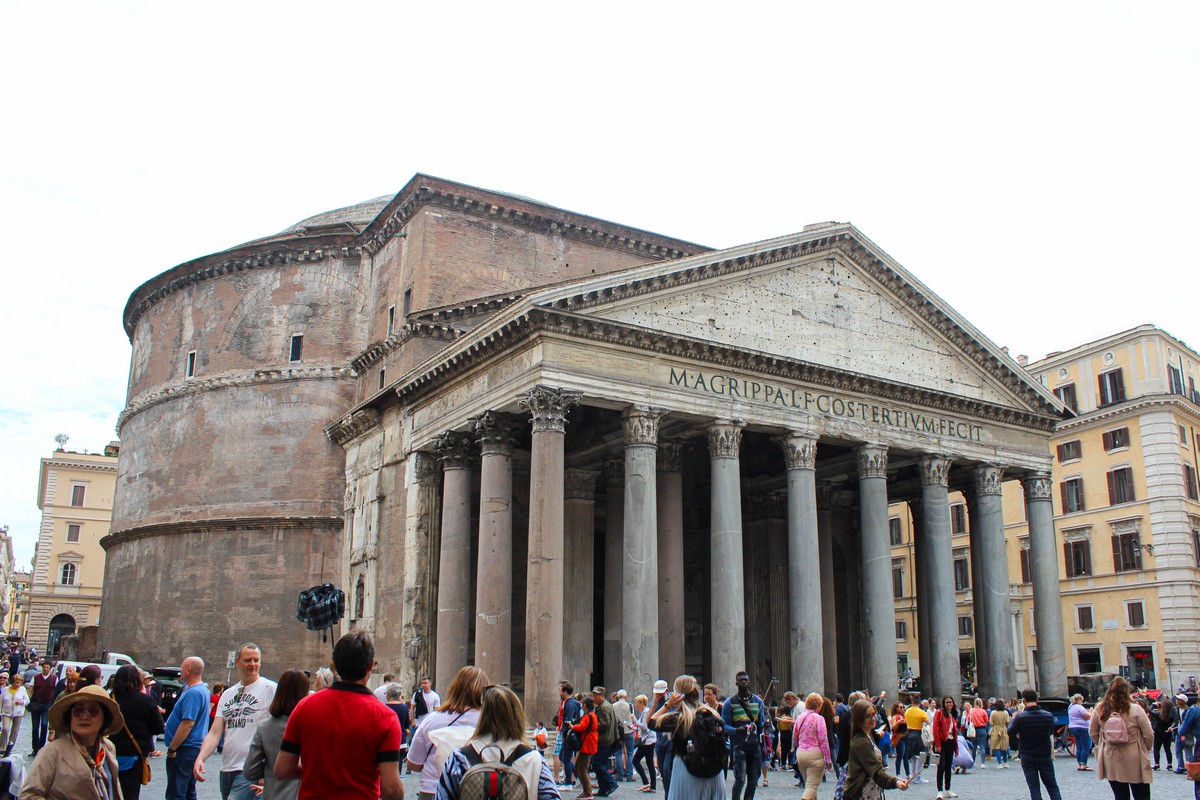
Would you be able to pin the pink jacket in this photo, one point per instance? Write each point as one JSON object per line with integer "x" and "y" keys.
{"x": 809, "y": 733}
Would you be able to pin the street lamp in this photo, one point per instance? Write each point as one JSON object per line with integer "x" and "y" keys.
{"x": 1170, "y": 680}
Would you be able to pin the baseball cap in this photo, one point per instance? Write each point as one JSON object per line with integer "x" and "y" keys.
{"x": 599, "y": 690}
{"x": 660, "y": 686}
{"x": 1181, "y": 696}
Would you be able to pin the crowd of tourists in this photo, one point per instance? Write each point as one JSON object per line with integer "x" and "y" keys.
{"x": 326, "y": 734}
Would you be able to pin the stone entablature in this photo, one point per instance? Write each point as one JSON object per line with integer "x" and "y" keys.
{"x": 247, "y": 378}
{"x": 426, "y": 190}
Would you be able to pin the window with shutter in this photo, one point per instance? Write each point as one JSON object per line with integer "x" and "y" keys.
{"x": 1066, "y": 393}
{"x": 1025, "y": 565}
{"x": 1069, "y": 451}
{"x": 1116, "y": 439}
{"x": 1078, "y": 557}
{"x": 1189, "y": 482}
{"x": 1084, "y": 617}
{"x": 1120, "y": 486}
{"x": 1137, "y": 614}
{"x": 1112, "y": 387}
{"x": 1127, "y": 553}
{"x": 958, "y": 519}
{"x": 1071, "y": 491}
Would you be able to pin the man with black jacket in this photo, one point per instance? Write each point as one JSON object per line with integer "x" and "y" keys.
{"x": 1035, "y": 729}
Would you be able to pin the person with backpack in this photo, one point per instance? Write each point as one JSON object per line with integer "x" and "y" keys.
{"x": 1122, "y": 728}
{"x": 585, "y": 740}
{"x": 607, "y": 742}
{"x": 699, "y": 748}
{"x": 498, "y": 762}
{"x": 458, "y": 715}
{"x": 744, "y": 716}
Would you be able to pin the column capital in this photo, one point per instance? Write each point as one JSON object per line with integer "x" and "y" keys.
{"x": 1038, "y": 486}
{"x": 824, "y": 494}
{"x": 581, "y": 483}
{"x": 670, "y": 456}
{"x": 641, "y": 425}
{"x": 456, "y": 450}
{"x": 493, "y": 431}
{"x": 799, "y": 449}
{"x": 548, "y": 406}
{"x": 424, "y": 467}
{"x": 724, "y": 437}
{"x": 989, "y": 479}
{"x": 614, "y": 472}
{"x": 935, "y": 470}
{"x": 872, "y": 461}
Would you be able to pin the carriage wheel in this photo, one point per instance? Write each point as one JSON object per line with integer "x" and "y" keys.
{"x": 1068, "y": 741}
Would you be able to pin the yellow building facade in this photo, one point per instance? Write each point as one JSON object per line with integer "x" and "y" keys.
{"x": 1127, "y": 520}
{"x": 75, "y": 495}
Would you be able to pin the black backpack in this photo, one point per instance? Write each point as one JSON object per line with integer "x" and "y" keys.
{"x": 707, "y": 751}
{"x": 575, "y": 738}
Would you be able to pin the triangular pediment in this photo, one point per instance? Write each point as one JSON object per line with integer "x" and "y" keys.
{"x": 828, "y": 299}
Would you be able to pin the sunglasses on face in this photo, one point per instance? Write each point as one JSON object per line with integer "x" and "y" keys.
{"x": 81, "y": 710}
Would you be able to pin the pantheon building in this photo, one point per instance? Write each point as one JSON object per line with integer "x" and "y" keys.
{"x": 559, "y": 447}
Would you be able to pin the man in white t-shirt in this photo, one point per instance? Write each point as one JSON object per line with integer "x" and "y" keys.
{"x": 381, "y": 692}
{"x": 425, "y": 701}
{"x": 240, "y": 709}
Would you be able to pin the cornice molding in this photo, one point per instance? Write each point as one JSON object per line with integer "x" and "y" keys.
{"x": 228, "y": 263}
{"x": 353, "y": 425}
{"x": 90, "y": 466}
{"x": 1109, "y": 414}
{"x": 412, "y": 330}
{"x": 228, "y": 381}
{"x": 579, "y": 326}
{"x": 378, "y": 233}
{"x": 223, "y": 525}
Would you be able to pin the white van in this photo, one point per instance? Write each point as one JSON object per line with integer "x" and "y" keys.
{"x": 106, "y": 670}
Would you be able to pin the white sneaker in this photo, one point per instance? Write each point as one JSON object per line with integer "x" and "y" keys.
{"x": 983, "y": 766}
{"x": 941, "y": 796}
{"x": 951, "y": 794}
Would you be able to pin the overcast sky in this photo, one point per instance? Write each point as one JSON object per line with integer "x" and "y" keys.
{"x": 1036, "y": 164}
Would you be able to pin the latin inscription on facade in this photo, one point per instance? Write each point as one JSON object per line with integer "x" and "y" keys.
{"x": 826, "y": 403}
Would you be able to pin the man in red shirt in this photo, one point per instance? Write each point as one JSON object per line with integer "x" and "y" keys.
{"x": 348, "y": 741}
{"x": 42, "y": 697}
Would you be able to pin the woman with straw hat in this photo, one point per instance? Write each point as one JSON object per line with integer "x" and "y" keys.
{"x": 80, "y": 762}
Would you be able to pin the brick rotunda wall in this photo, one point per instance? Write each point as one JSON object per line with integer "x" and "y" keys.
{"x": 229, "y": 494}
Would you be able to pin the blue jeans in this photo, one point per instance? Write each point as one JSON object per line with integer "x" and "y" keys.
{"x": 746, "y": 763}
{"x": 1083, "y": 744}
{"x": 567, "y": 757}
{"x": 181, "y": 785}
{"x": 1040, "y": 768}
{"x": 981, "y": 745}
{"x": 901, "y": 754}
{"x": 604, "y": 779}
{"x": 235, "y": 787}
{"x": 1001, "y": 755}
{"x": 664, "y": 758}
{"x": 625, "y": 756}
{"x": 38, "y": 716}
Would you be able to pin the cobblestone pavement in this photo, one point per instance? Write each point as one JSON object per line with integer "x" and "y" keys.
{"x": 986, "y": 784}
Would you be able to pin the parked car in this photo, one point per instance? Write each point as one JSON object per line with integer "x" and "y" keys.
{"x": 167, "y": 686}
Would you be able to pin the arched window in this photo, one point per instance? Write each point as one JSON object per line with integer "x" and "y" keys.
{"x": 360, "y": 591}
{"x": 66, "y": 575}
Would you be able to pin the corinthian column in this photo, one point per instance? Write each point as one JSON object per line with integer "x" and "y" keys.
{"x": 419, "y": 610}
{"x": 878, "y": 610}
{"x": 829, "y": 626}
{"x": 457, "y": 453}
{"x": 543, "y": 606}
{"x": 728, "y": 583}
{"x": 614, "y": 568}
{"x": 669, "y": 464}
{"x": 639, "y": 584}
{"x": 939, "y": 555}
{"x": 995, "y": 617}
{"x": 579, "y": 559}
{"x": 493, "y": 589}
{"x": 1047, "y": 601}
{"x": 804, "y": 561}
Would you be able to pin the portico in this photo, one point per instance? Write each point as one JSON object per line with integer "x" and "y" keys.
{"x": 746, "y": 407}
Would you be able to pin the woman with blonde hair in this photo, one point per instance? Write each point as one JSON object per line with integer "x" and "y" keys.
{"x": 810, "y": 738}
{"x": 678, "y": 715}
{"x": 1122, "y": 729}
{"x": 499, "y": 737}
{"x": 460, "y": 708}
